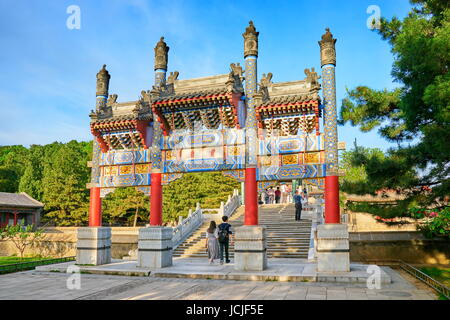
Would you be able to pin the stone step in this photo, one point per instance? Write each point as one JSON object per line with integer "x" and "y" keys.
{"x": 286, "y": 238}
{"x": 294, "y": 255}
{"x": 284, "y": 241}
{"x": 271, "y": 250}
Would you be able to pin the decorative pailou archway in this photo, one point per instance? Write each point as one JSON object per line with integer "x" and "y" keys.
{"x": 264, "y": 132}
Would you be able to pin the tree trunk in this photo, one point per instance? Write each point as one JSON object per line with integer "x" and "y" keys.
{"x": 135, "y": 217}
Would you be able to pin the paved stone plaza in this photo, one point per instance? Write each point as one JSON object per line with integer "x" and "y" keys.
{"x": 32, "y": 285}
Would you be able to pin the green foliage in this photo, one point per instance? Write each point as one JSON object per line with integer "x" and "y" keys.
{"x": 8, "y": 179}
{"x": 355, "y": 164}
{"x": 14, "y": 259}
{"x": 437, "y": 225}
{"x": 438, "y": 273}
{"x": 64, "y": 185}
{"x": 21, "y": 236}
{"x": 31, "y": 180}
{"x": 209, "y": 189}
{"x": 386, "y": 211}
{"x": 125, "y": 206}
{"x": 419, "y": 109}
{"x": 12, "y": 166}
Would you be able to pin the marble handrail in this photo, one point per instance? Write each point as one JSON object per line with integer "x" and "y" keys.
{"x": 195, "y": 218}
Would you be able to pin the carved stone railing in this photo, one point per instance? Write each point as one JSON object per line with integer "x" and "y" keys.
{"x": 344, "y": 218}
{"x": 233, "y": 202}
{"x": 187, "y": 226}
{"x": 317, "y": 219}
{"x": 195, "y": 219}
{"x": 316, "y": 213}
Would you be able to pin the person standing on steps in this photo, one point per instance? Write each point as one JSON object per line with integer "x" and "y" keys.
{"x": 271, "y": 193}
{"x": 266, "y": 196}
{"x": 277, "y": 195}
{"x": 298, "y": 205}
{"x": 225, "y": 235}
{"x": 284, "y": 193}
{"x": 212, "y": 244}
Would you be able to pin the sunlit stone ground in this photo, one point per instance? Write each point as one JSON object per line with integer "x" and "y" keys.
{"x": 53, "y": 286}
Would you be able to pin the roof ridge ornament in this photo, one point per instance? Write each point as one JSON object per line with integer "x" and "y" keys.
{"x": 250, "y": 40}
{"x": 112, "y": 99}
{"x": 312, "y": 78}
{"x": 172, "y": 77}
{"x": 265, "y": 83}
{"x": 235, "y": 78}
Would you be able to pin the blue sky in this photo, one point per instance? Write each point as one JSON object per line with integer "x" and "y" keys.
{"x": 47, "y": 78}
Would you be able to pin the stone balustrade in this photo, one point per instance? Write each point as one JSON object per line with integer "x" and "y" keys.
{"x": 187, "y": 226}
{"x": 233, "y": 202}
{"x": 195, "y": 219}
{"x": 317, "y": 218}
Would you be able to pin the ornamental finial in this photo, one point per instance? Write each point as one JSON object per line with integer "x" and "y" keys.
{"x": 250, "y": 40}
{"x": 161, "y": 54}
{"x": 103, "y": 77}
{"x": 327, "y": 48}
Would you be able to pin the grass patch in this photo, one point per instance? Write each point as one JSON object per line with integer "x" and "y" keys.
{"x": 439, "y": 274}
{"x": 12, "y": 264}
{"x": 14, "y": 259}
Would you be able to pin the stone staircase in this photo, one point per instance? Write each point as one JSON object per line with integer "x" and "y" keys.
{"x": 286, "y": 238}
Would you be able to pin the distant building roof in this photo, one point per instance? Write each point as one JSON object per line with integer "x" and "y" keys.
{"x": 18, "y": 200}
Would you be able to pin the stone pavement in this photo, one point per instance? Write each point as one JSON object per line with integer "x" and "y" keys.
{"x": 195, "y": 268}
{"x": 52, "y": 285}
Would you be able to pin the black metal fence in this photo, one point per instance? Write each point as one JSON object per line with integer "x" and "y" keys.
{"x": 416, "y": 273}
{"x": 436, "y": 285}
{"x": 29, "y": 265}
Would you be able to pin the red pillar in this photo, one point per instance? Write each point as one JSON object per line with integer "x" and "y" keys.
{"x": 332, "y": 199}
{"x": 251, "y": 198}
{"x": 156, "y": 200}
{"x": 95, "y": 208}
{"x": 15, "y": 218}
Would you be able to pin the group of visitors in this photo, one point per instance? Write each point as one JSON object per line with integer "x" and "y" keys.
{"x": 282, "y": 194}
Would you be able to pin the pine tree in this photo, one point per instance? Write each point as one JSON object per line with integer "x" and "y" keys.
{"x": 417, "y": 114}
{"x": 64, "y": 186}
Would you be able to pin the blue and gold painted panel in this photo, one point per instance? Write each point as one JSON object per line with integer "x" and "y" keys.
{"x": 291, "y": 144}
{"x": 182, "y": 139}
{"x": 125, "y": 157}
{"x": 291, "y": 172}
{"x": 125, "y": 180}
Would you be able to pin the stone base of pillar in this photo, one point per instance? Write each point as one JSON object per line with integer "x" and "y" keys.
{"x": 333, "y": 250}
{"x": 250, "y": 248}
{"x": 93, "y": 245}
{"x": 155, "y": 247}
